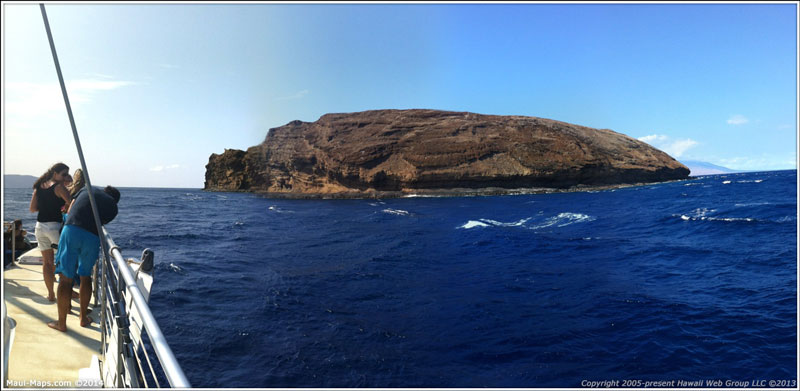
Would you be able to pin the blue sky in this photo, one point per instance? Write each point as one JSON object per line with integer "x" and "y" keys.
{"x": 157, "y": 88}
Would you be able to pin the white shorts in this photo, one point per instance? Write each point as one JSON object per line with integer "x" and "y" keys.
{"x": 47, "y": 234}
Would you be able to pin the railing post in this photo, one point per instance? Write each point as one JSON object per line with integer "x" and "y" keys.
{"x": 95, "y": 285}
{"x": 103, "y": 305}
{"x": 120, "y": 336}
{"x": 13, "y": 241}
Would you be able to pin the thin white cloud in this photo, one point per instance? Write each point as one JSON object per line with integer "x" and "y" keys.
{"x": 27, "y": 99}
{"x": 678, "y": 147}
{"x": 759, "y": 163}
{"x": 157, "y": 168}
{"x": 297, "y": 95}
{"x": 168, "y": 66}
{"x": 738, "y": 119}
{"x": 653, "y": 138}
{"x": 674, "y": 148}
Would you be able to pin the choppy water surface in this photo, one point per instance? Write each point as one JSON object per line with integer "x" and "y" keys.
{"x": 685, "y": 280}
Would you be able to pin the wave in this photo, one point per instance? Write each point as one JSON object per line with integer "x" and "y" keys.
{"x": 473, "y": 224}
{"x": 752, "y": 204}
{"x": 784, "y": 219}
{"x": 708, "y": 214}
{"x": 398, "y": 212}
{"x": 501, "y": 224}
{"x": 564, "y": 219}
{"x": 560, "y": 220}
{"x": 727, "y": 219}
{"x": 278, "y": 210}
{"x": 492, "y": 223}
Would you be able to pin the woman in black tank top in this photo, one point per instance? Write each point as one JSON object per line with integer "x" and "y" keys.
{"x": 49, "y": 195}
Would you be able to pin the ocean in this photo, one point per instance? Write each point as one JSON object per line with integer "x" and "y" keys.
{"x": 678, "y": 281}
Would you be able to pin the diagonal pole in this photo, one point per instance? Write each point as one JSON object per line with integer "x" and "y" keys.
{"x": 100, "y": 232}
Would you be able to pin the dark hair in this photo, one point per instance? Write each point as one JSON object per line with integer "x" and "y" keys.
{"x": 58, "y": 167}
{"x": 113, "y": 192}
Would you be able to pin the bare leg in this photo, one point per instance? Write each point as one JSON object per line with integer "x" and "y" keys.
{"x": 86, "y": 295}
{"x": 48, "y": 270}
{"x": 64, "y": 297}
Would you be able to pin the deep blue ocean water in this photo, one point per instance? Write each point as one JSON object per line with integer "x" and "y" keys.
{"x": 676, "y": 281}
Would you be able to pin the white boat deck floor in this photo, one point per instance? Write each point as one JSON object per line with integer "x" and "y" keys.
{"x": 41, "y": 356}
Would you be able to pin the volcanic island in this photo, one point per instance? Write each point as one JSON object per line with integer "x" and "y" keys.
{"x": 397, "y": 153}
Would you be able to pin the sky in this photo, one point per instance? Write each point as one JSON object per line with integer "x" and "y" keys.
{"x": 156, "y": 88}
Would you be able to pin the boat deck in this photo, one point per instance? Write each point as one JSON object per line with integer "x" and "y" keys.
{"x": 41, "y": 356}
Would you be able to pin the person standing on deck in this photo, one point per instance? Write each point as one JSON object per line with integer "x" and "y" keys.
{"x": 49, "y": 195}
{"x": 80, "y": 244}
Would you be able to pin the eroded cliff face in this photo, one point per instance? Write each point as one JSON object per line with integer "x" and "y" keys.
{"x": 418, "y": 151}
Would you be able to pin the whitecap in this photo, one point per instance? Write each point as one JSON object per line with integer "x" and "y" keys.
{"x": 711, "y": 218}
{"x": 564, "y": 219}
{"x": 752, "y": 204}
{"x": 493, "y": 223}
{"x": 398, "y": 212}
{"x": 473, "y": 224}
{"x": 731, "y": 219}
{"x": 726, "y": 182}
{"x": 501, "y": 224}
{"x": 278, "y": 210}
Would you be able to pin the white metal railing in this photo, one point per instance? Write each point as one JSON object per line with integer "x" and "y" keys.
{"x": 129, "y": 330}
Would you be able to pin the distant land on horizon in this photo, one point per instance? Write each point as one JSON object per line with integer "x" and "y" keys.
{"x": 13, "y": 181}
{"x": 704, "y": 168}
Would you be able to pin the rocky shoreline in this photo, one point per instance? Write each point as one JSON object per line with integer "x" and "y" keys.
{"x": 443, "y": 193}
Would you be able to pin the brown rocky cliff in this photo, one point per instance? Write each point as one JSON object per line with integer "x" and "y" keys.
{"x": 428, "y": 150}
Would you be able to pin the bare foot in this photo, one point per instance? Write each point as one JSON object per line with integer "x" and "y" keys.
{"x": 51, "y": 297}
{"x": 86, "y": 322}
{"x": 54, "y": 325}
